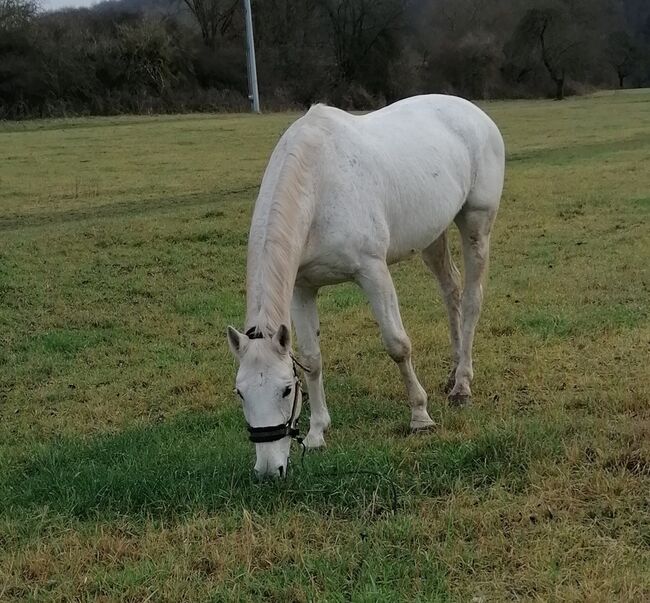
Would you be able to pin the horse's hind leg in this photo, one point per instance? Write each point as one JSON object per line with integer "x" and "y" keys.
{"x": 438, "y": 259}
{"x": 375, "y": 280}
{"x": 474, "y": 226}
{"x": 304, "y": 315}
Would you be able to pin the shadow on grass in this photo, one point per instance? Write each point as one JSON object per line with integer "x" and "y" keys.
{"x": 203, "y": 462}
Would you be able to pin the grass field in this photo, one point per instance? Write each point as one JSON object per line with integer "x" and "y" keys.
{"x": 124, "y": 465}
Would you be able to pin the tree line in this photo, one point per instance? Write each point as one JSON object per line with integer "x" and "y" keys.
{"x": 140, "y": 56}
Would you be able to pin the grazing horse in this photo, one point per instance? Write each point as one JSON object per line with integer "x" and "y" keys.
{"x": 344, "y": 196}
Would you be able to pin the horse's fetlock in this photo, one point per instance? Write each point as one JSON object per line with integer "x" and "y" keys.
{"x": 464, "y": 374}
{"x": 320, "y": 422}
{"x": 419, "y": 398}
{"x": 314, "y": 439}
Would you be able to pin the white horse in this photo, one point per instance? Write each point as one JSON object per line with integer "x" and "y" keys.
{"x": 344, "y": 196}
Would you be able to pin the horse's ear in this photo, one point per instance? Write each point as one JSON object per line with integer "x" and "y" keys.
{"x": 282, "y": 339}
{"x": 237, "y": 342}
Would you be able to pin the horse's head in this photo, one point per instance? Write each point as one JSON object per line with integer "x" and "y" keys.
{"x": 270, "y": 392}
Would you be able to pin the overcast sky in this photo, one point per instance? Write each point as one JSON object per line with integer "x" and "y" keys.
{"x": 52, "y": 4}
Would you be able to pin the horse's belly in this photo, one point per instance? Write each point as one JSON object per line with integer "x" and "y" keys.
{"x": 414, "y": 226}
{"x": 317, "y": 274}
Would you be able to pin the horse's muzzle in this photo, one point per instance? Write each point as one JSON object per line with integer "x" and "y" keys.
{"x": 272, "y": 458}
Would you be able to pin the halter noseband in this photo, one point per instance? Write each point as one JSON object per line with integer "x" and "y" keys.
{"x": 273, "y": 433}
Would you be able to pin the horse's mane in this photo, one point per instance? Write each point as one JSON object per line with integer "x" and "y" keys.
{"x": 287, "y": 225}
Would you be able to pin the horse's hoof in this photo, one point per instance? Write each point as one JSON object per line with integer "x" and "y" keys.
{"x": 313, "y": 441}
{"x": 422, "y": 426}
{"x": 459, "y": 400}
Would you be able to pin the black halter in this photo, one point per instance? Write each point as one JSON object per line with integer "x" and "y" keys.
{"x": 273, "y": 433}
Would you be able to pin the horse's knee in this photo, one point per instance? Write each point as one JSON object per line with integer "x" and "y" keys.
{"x": 313, "y": 363}
{"x": 398, "y": 346}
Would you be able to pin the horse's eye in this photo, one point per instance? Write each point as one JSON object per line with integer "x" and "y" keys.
{"x": 287, "y": 391}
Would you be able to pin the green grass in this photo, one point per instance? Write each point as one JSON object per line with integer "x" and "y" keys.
{"x": 194, "y": 463}
{"x": 125, "y": 474}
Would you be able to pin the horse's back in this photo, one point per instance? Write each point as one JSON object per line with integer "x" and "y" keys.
{"x": 413, "y": 138}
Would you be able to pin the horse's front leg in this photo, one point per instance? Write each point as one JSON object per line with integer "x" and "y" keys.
{"x": 304, "y": 314}
{"x": 375, "y": 280}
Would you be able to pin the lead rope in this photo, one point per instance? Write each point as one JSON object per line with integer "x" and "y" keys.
{"x": 392, "y": 485}
{"x": 301, "y": 441}
{"x": 298, "y": 438}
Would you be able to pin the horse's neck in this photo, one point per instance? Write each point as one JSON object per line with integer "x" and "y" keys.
{"x": 278, "y": 234}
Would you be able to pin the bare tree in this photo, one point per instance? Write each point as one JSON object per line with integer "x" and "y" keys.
{"x": 16, "y": 13}
{"x": 213, "y": 16}
{"x": 561, "y": 33}
{"x": 294, "y": 52}
{"x": 624, "y": 55}
{"x": 358, "y": 26}
{"x": 542, "y": 28}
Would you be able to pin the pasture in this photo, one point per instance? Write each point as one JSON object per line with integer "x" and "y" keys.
{"x": 125, "y": 473}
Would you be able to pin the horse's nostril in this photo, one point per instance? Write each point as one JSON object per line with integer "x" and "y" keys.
{"x": 281, "y": 471}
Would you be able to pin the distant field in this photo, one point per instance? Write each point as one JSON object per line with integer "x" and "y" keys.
{"x": 124, "y": 465}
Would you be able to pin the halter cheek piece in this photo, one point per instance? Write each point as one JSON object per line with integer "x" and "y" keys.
{"x": 273, "y": 433}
